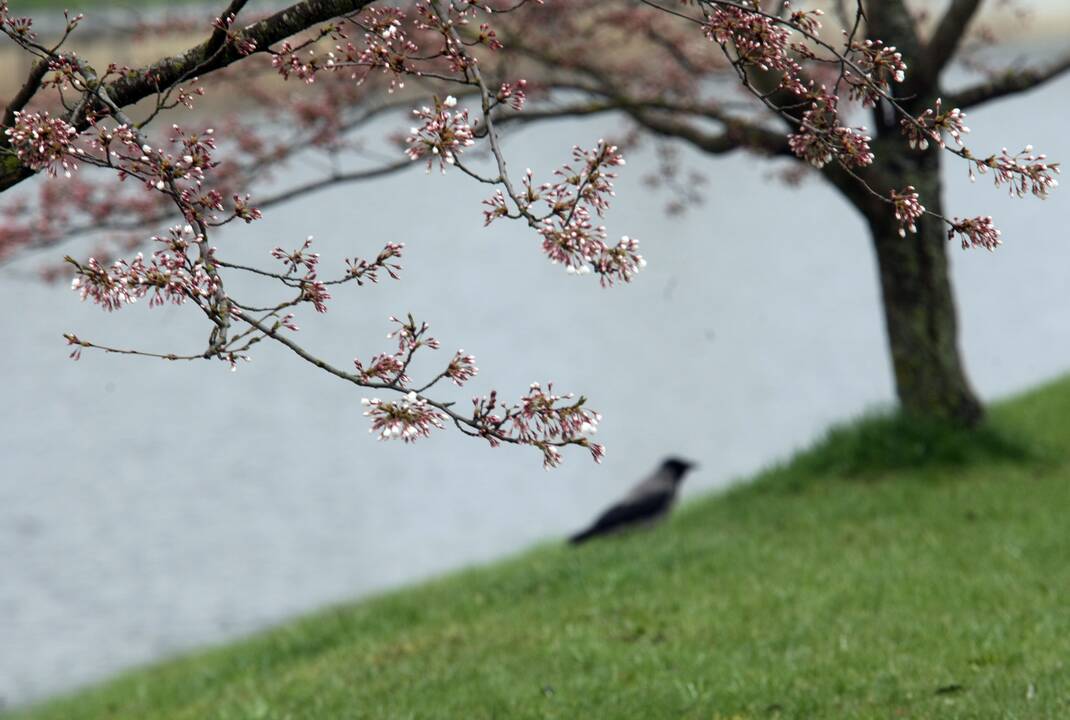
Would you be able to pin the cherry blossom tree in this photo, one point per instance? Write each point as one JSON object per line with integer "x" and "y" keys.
{"x": 721, "y": 76}
{"x": 806, "y": 90}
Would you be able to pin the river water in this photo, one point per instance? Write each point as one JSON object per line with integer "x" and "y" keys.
{"x": 147, "y": 508}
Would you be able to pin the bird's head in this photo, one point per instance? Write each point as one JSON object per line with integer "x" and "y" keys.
{"x": 678, "y": 467}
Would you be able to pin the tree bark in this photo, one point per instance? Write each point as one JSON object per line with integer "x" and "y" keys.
{"x": 919, "y": 307}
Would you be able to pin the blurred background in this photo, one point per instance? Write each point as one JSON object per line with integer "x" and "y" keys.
{"x": 147, "y": 507}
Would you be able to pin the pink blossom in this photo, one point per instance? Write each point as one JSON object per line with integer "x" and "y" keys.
{"x": 933, "y": 124}
{"x": 299, "y": 257}
{"x": 107, "y": 288}
{"x": 497, "y": 208}
{"x": 315, "y": 292}
{"x": 287, "y": 62}
{"x": 487, "y": 36}
{"x": 821, "y": 139}
{"x": 806, "y": 20}
{"x": 244, "y": 45}
{"x": 384, "y": 368}
{"x": 514, "y": 93}
{"x": 287, "y": 322}
{"x": 908, "y": 209}
{"x": 243, "y": 210}
{"x": 20, "y": 27}
{"x": 542, "y": 419}
{"x": 444, "y": 134}
{"x": 976, "y": 232}
{"x": 543, "y": 415}
{"x": 411, "y": 336}
{"x": 461, "y": 368}
{"x": 880, "y": 65}
{"x": 387, "y": 46}
{"x": 1023, "y": 172}
{"x": 361, "y": 270}
{"x": 408, "y": 418}
{"x": 44, "y": 143}
{"x": 757, "y": 39}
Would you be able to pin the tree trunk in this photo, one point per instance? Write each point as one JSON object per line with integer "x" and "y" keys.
{"x": 919, "y": 308}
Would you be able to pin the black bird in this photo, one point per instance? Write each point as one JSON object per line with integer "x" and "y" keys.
{"x": 647, "y": 503}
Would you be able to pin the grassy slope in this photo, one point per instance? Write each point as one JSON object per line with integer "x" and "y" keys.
{"x": 888, "y": 573}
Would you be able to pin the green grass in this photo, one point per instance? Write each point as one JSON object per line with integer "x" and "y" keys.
{"x": 891, "y": 572}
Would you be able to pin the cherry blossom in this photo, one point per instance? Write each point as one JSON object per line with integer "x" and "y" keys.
{"x": 907, "y": 209}
{"x": 443, "y": 135}
{"x": 976, "y": 232}
{"x": 408, "y": 418}
{"x": 44, "y": 143}
{"x": 933, "y": 124}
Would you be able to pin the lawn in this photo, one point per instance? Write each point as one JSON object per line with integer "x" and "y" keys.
{"x": 893, "y": 571}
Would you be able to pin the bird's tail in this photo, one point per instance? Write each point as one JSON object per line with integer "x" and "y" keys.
{"x": 582, "y": 537}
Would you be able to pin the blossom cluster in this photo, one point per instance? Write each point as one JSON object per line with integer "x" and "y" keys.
{"x": 1023, "y": 172}
{"x": 287, "y": 62}
{"x": 298, "y": 258}
{"x": 17, "y": 27}
{"x": 461, "y": 369}
{"x": 389, "y": 369}
{"x": 385, "y": 368}
{"x": 180, "y": 171}
{"x": 408, "y": 418}
{"x": 387, "y": 46}
{"x": 908, "y": 209}
{"x": 444, "y": 134}
{"x": 758, "y": 39}
{"x": 752, "y": 37}
{"x": 933, "y": 124}
{"x": 313, "y": 290}
{"x": 570, "y": 237}
{"x": 359, "y": 269}
{"x": 821, "y": 138}
{"x": 445, "y": 131}
{"x": 410, "y": 336}
{"x": 126, "y": 212}
{"x": 542, "y": 419}
{"x": 765, "y": 41}
{"x": 242, "y": 43}
{"x": 123, "y": 148}
{"x": 170, "y": 275}
{"x": 45, "y": 143}
{"x": 513, "y": 93}
{"x": 879, "y": 67}
{"x": 975, "y": 232}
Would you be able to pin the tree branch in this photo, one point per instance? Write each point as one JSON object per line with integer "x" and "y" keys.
{"x": 737, "y": 135}
{"x": 1011, "y": 82}
{"x": 205, "y": 58}
{"x": 148, "y": 223}
{"x": 220, "y": 35}
{"x": 26, "y": 92}
{"x": 949, "y": 32}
